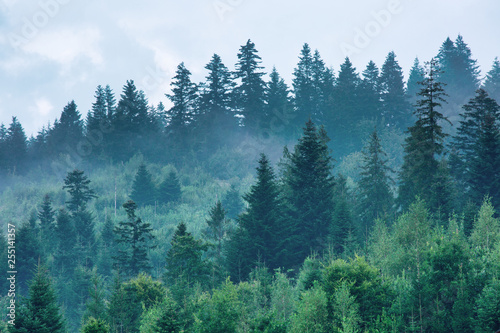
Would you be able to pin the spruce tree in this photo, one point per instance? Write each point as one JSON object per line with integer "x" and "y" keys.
{"x": 312, "y": 87}
{"x": 250, "y": 93}
{"x": 47, "y": 226}
{"x": 375, "y": 195}
{"x": 170, "y": 189}
{"x": 417, "y": 74}
{"x": 309, "y": 194}
{"x": 135, "y": 238}
{"x": 475, "y": 147}
{"x": 278, "y": 115}
{"x": 258, "y": 238}
{"x": 184, "y": 262}
{"x": 64, "y": 257}
{"x": 217, "y": 228}
{"x": 181, "y": 115}
{"x": 216, "y": 119}
{"x": 67, "y": 132}
{"x": 28, "y": 253}
{"x": 39, "y": 313}
{"x": 369, "y": 92}
{"x": 492, "y": 82}
{"x": 395, "y": 107}
{"x": 347, "y": 109}
{"x": 424, "y": 143}
{"x": 15, "y": 148}
{"x": 77, "y": 185}
{"x": 232, "y": 202}
{"x": 143, "y": 188}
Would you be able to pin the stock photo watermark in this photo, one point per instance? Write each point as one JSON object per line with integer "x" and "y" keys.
{"x": 363, "y": 37}
{"x": 223, "y": 7}
{"x": 33, "y": 24}
{"x": 11, "y": 273}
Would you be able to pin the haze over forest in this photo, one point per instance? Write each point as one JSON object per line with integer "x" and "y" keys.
{"x": 237, "y": 196}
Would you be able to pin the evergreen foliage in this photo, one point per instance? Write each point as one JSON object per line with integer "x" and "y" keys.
{"x": 135, "y": 238}
{"x": 40, "y": 311}
{"x": 170, "y": 189}
{"x": 143, "y": 189}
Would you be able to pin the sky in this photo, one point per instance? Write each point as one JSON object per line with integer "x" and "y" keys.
{"x": 55, "y": 51}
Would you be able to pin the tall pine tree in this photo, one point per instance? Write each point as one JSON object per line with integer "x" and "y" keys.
{"x": 424, "y": 143}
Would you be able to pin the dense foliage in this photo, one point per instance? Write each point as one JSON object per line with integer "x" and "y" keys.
{"x": 151, "y": 219}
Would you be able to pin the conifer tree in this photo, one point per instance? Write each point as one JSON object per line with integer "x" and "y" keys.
{"x": 232, "y": 202}
{"x": 181, "y": 116}
{"x": 170, "y": 189}
{"x": 259, "y": 230}
{"x": 303, "y": 87}
{"x": 375, "y": 195}
{"x": 309, "y": 183}
{"x": 28, "y": 253}
{"x": 77, "y": 185}
{"x": 395, "y": 107}
{"x": 424, "y": 143}
{"x": 40, "y": 312}
{"x": 417, "y": 74}
{"x": 475, "y": 148}
{"x": 369, "y": 92}
{"x": 250, "y": 93}
{"x": 135, "y": 237}
{"x": 492, "y": 82}
{"x": 184, "y": 262}
{"x": 217, "y": 227}
{"x": 67, "y": 132}
{"x": 66, "y": 241}
{"x": 278, "y": 115}
{"x": 47, "y": 226}
{"x": 347, "y": 108}
{"x": 15, "y": 147}
{"x": 143, "y": 188}
{"x": 216, "y": 118}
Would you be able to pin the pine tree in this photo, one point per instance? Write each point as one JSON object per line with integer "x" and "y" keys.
{"x": 217, "y": 227}
{"x": 66, "y": 240}
{"x": 67, "y": 132}
{"x": 375, "y": 195}
{"x": 77, "y": 185}
{"x": 492, "y": 82}
{"x": 98, "y": 123}
{"x": 485, "y": 233}
{"x": 395, "y": 107}
{"x": 131, "y": 123}
{"x": 143, "y": 188}
{"x": 40, "y": 312}
{"x": 135, "y": 237}
{"x": 93, "y": 325}
{"x": 170, "y": 189}
{"x": 475, "y": 148}
{"x": 15, "y": 147}
{"x": 250, "y": 93}
{"x": 216, "y": 118}
{"x": 28, "y": 253}
{"x": 232, "y": 202}
{"x": 260, "y": 228}
{"x": 47, "y": 226}
{"x": 424, "y": 143}
{"x": 312, "y": 87}
{"x": 278, "y": 108}
{"x": 347, "y": 108}
{"x": 369, "y": 92}
{"x": 458, "y": 71}
{"x": 184, "y": 262}
{"x": 181, "y": 115}
{"x": 417, "y": 74}
{"x": 309, "y": 194}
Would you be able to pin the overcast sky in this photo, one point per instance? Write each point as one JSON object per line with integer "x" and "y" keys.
{"x": 54, "y": 51}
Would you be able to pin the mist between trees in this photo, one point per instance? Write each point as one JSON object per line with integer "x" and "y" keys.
{"x": 344, "y": 203}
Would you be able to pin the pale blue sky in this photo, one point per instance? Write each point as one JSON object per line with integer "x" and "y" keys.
{"x": 53, "y": 51}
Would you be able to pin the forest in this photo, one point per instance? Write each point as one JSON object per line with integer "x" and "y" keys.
{"x": 345, "y": 202}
